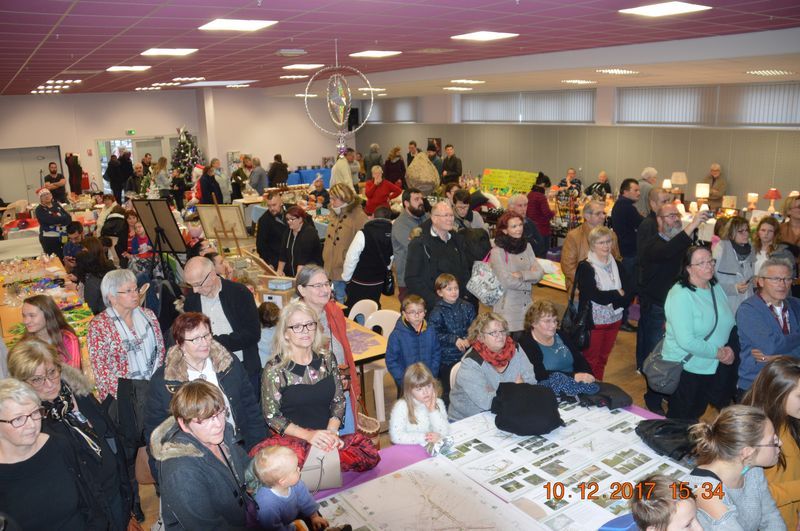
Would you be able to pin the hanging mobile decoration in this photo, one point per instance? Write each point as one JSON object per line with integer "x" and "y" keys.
{"x": 338, "y": 99}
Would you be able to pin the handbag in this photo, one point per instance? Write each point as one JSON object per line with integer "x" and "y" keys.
{"x": 578, "y": 324}
{"x": 663, "y": 375}
{"x": 483, "y": 283}
{"x": 388, "y": 280}
{"x": 668, "y": 437}
{"x": 321, "y": 470}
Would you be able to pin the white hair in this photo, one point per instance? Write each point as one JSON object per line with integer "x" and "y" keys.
{"x": 112, "y": 281}
{"x": 649, "y": 173}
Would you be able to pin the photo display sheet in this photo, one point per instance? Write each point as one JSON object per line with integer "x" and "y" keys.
{"x": 577, "y": 477}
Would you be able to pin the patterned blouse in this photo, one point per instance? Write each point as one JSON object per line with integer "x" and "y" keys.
{"x": 275, "y": 380}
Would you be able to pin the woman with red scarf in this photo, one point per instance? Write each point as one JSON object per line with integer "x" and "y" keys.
{"x": 491, "y": 359}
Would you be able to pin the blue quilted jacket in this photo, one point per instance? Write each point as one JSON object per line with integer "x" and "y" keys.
{"x": 451, "y": 322}
{"x": 406, "y": 347}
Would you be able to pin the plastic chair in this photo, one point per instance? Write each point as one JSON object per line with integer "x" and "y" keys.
{"x": 364, "y": 307}
{"x": 143, "y": 294}
{"x": 453, "y": 374}
{"x": 386, "y": 320}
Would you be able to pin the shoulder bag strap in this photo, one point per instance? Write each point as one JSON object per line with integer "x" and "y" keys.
{"x": 574, "y": 285}
{"x": 716, "y": 319}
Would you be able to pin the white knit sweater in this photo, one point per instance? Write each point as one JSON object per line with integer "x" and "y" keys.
{"x": 402, "y": 431}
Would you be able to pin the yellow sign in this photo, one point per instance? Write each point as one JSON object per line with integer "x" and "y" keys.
{"x": 517, "y": 181}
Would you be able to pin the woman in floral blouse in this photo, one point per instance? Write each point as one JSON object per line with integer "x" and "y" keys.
{"x": 301, "y": 393}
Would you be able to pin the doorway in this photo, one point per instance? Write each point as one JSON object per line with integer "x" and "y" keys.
{"x": 157, "y": 146}
{"x": 23, "y": 171}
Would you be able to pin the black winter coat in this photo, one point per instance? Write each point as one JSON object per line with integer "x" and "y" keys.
{"x": 269, "y": 236}
{"x": 429, "y": 257}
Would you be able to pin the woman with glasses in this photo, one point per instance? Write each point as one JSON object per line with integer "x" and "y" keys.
{"x": 200, "y": 465}
{"x": 300, "y": 245}
{"x": 491, "y": 359}
{"x": 776, "y": 390}
{"x": 301, "y": 393}
{"x": 699, "y": 324}
{"x": 43, "y": 320}
{"x": 314, "y": 288}
{"x": 197, "y": 356}
{"x": 735, "y": 265}
{"x": 603, "y": 284}
{"x": 47, "y": 491}
{"x": 728, "y": 482}
{"x": 75, "y": 414}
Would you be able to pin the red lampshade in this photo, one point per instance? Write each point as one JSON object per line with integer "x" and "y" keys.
{"x": 773, "y": 193}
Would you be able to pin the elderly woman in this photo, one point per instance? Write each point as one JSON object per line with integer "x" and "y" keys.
{"x": 75, "y": 414}
{"x": 301, "y": 392}
{"x": 699, "y": 324}
{"x": 767, "y": 243}
{"x": 200, "y": 465}
{"x": 603, "y": 284}
{"x": 43, "y": 319}
{"x": 515, "y": 266}
{"x": 491, "y": 359}
{"x": 196, "y": 355}
{"x": 52, "y": 220}
{"x": 735, "y": 262}
{"x": 314, "y": 288}
{"x": 380, "y": 191}
{"x": 47, "y": 493}
{"x": 550, "y": 350}
{"x": 300, "y": 245}
{"x": 348, "y": 218}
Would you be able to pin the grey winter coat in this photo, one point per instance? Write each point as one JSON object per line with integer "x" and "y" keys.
{"x": 517, "y": 296}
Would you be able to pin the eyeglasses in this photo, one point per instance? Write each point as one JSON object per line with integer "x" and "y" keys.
{"x": 742, "y": 231}
{"x": 603, "y": 242}
{"x": 50, "y": 376}
{"x": 779, "y": 280}
{"x": 776, "y": 443}
{"x": 707, "y": 263}
{"x": 221, "y": 414}
{"x": 303, "y": 327}
{"x": 202, "y": 281}
{"x": 18, "y": 422}
{"x": 199, "y": 339}
{"x": 670, "y": 215}
{"x": 497, "y": 334}
{"x": 290, "y": 219}
{"x": 321, "y": 285}
{"x": 414, "y": 312}
{"x": 444, "y": 215}
{"x": 127, "y": 291}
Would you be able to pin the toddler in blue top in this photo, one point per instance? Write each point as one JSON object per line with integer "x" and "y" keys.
{"x": 282, "y": 497}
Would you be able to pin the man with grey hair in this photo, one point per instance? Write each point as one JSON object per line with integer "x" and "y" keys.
{"x": 373, "y": 158}
{"x": 646, "y": 183}
{"x": 717, "y": 186}
{"x": 259, "y": 180}
{"x": 518, "y": 204}
{"x": 661, "y": 255}
{"x": 133, "y": 186}
{"x": 576, "y": 244}
{"x": 231, "y": 308}
{"x": 439, "y": 249}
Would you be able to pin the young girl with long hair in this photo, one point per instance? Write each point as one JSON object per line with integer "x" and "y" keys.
{"x": 419, "y": 417}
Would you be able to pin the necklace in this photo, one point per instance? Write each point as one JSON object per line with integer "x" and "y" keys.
{"x": 200, "y": 370}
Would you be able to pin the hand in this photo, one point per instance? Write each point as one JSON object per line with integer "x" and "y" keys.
{"x": 519, "y": 379}
{"x": 516, "y": 274}
{"x": 377, "y": 180}
{"x": 584, "y": 377}
{"x": 621, "y": 292}
{"x": 741, "y": 287}
{"x": 432, "y": 437}
{"x": 462, "y": 344}
{"x": 318, "y": 522}
{"x": 760, "y": 356}
{"x": 725, "y": 355}
{"x": 324, "y": 440}
{"x": 431, "y": 405}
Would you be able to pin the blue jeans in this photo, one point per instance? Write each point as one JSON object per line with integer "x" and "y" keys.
{"x": 349, "y": 424}
{"x": 338, "y": 290}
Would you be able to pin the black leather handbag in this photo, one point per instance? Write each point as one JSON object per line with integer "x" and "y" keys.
{"x": 578, "y": 324}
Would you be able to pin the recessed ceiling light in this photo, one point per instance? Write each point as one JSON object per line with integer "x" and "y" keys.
{"x": 483, "y": 36}
{"x": 372, "y": 89}
{"x": 33, "y": 92}
{"x": 77, "y": 81}
{"x": 232, "y": 24}
{"x": 221, "y": 83}
{"x": 40, "y": 87}
{"x": 298, "y": 76}
{"x": 188, "y": 79}
{"x": 664, "y": 9}
{"x": 290, "y": 52}
{"x": 56, "y": 91}
{"x": 457, "y": 89}
{"x": 767, "y": 73}
{"x": 238, "y": 85}
{"x": 169, "y": 51}
{"x": 375, "y": 53}
{"x": 616, "y": 71}
{"x": 59, "y": 81}
{"x": 164, "y": 84}
{"x": 147, "y": 88}
{"x": 127, "y": 68}
{"x": 382, "y": 94}
{"x": 48, "y": 91}
{"x": 304, "y": 95}
{"x": 303, "y": 66}
{"x": 467, "y": 81}
{"x": 434, "y": 51}
{"x": 578, "y": 81}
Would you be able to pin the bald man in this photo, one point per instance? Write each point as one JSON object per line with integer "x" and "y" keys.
{"x": 231, "y": 308}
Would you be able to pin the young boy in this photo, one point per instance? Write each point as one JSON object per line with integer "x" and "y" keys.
{"x": 411, "y": 341}
{"x": 655, "y": 506}
{"x": 282, "y": 497}
{"x": 74, "y": 243}
{"x": 450, "y": 318}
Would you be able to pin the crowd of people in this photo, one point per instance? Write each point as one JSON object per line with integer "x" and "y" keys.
{"x": 226, "y": 400}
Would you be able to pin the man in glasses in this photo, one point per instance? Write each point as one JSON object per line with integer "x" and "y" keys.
{"x": 660, "y": 262}
{"x": 231, "y": 308}
{"x": 768, "y": 322}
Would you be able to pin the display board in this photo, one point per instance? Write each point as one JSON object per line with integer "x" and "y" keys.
{"x": 508, "y": 180}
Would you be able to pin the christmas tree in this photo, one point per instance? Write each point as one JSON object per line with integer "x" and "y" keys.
{"x": 186, "y": 154}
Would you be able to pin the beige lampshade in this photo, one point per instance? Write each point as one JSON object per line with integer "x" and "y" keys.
{"x": 667, "y": 184}
{"x": 678, "y": 178}
{"x": 752, "y": 198}
{"x": 702, "y": 190}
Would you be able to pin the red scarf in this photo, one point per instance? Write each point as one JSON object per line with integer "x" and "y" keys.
{"x": 497, "y": 359}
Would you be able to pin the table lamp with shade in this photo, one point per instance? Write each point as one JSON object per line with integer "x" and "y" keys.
{"x": 772, "y": 194}
{"x": 701, "y": 192}
{"x": 667, "y": 185}
{"x": 678, "y": 179}
{"x": 752, "y": 199}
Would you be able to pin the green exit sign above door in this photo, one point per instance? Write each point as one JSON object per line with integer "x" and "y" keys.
{"x": 130, "y": 132}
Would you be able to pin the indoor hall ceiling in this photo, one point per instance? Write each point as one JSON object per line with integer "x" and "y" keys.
{"x": 44, "y": 40}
